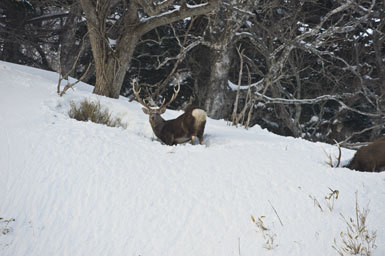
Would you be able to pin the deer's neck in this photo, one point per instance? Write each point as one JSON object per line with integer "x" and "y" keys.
{"x": 157, "y": 126}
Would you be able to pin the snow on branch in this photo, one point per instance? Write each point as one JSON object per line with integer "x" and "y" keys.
{"x": 177, "y": 13}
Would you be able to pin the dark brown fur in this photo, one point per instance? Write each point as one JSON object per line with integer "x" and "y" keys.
{"x": 370, "y": 158}
{"x": 178, "y": 130}
{"x": 185, "y": 127}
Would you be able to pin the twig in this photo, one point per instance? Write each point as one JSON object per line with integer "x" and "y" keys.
{"x": 70, "y": 85}
{"x": 235, "y": 109}
{"x": 344, "y": 143}
{"x": 275, "y": 213}
{"x": 182, "y": 54}
{"x": 65, "y": 76}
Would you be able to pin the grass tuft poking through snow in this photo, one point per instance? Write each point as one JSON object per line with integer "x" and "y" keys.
{"x": 268, "y": 235}
{"x": 331, "y": 198}
{"x": 94, "y": 112}
{"x": 357, "y": 239}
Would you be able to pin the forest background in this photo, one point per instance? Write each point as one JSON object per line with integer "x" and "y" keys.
{"x": 307, "y": 68}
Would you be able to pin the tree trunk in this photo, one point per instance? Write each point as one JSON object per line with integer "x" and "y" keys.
{"x": 112, "y": 62}
{"x": 219, "y": 100}
{"x": 110, "y": 74}
{"x": 222, "y": 30}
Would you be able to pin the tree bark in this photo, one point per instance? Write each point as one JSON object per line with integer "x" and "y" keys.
{"x": 221, "y": 34}
{"x": 219, "y": 98}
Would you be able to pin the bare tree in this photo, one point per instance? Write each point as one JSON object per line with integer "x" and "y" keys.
{"x": 216, "y": 55}
{"x": 113, "y": 46}
{"x": 303, "y": 60}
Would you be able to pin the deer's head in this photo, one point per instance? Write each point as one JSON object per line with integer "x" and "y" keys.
{"x": 154, "y": 115}
{"x": 154, "y": 112}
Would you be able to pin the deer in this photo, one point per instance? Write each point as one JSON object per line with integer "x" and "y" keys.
{"x": 370, "y": 158}
{"x": 184, "y": 128}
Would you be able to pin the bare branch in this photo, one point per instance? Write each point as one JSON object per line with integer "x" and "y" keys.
{"x": 344, "y": 143}
{"x": 65, "y": 76}
{"x": 180, "y": 13}
{"x": 152, "y": 8}
{"x": 234, "y": 115}
{"x": 182, "y": 54}
{"x": 176, "y": 91}
{"x": 70, "y": 85}
{"x": 313, "y": 101}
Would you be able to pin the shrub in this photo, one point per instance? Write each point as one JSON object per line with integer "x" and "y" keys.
{"x": 93, "y": 111}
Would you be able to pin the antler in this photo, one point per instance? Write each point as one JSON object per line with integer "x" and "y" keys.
{"x": 173, "y": 96}
{"x": 140, "y": 100}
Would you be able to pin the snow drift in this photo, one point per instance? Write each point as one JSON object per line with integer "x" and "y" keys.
{"x": 79, "y": 188}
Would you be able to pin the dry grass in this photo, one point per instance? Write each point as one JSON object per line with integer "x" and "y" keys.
{"x": 331, "y": 198}
{"x": 268, "y": 235}
{"x": 94, "y": 112}
{"x": 329, "y": 160}
{"x": 357, "y": 239}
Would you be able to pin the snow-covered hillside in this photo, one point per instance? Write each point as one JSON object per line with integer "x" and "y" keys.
{"x": 79, "y": 188}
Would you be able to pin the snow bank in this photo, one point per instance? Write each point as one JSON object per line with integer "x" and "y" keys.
{"x": 79, "y": 188}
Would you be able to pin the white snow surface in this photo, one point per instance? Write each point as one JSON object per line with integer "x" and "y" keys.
{"x": 80, "y": 188}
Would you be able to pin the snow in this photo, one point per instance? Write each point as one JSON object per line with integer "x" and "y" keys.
{"x": 112, "y": 42}
{"x": 79, "y": 188}
{"x": 314, "y": 119}
{"x": 196, "y": 5}
{"x": 234, "y": 87}
{"x": 146, "y": 19}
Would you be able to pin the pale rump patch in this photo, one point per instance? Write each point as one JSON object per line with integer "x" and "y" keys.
{"x": 199, "y": 114}
{"x": 200, "y": 117}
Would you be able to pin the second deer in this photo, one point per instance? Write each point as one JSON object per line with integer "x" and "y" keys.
{"x": 182, "y": 129}
{"x": 370, "y": 158}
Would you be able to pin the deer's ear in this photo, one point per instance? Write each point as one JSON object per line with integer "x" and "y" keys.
{"x": 162, "y": 110}
{"x": 145, "y": 110}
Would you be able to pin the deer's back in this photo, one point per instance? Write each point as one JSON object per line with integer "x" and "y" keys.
{"x": 370, "y": 158}
{"x": 181, "y": 129}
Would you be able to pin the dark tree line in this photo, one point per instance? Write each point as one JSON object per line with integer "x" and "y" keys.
{"x": 310, "y": 68}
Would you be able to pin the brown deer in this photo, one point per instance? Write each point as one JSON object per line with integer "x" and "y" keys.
{"x": 182, "y": 129}
{"x": 370, "y": 158}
